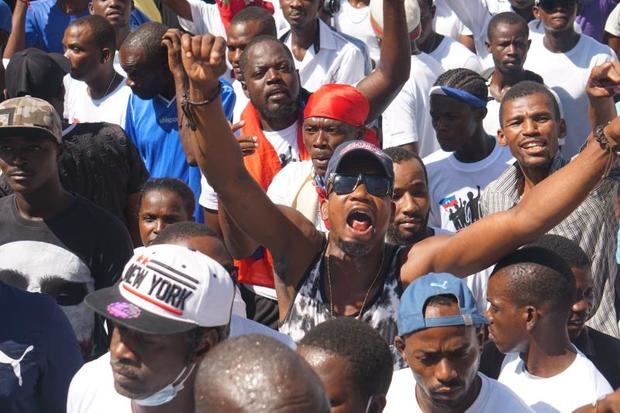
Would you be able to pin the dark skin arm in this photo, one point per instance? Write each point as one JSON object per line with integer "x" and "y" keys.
{"x": 293, "y": 245}
{"x": 541, "y": 209}
{"x": 392, "y": 71}
{"x": 601, "y": 86}
{"x": 172, "y": 42}
{"x": 17, "y": 38}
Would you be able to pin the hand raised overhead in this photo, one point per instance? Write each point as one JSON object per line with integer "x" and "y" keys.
{"x": 204, "y": 60}
{"x": 604, "y": 80}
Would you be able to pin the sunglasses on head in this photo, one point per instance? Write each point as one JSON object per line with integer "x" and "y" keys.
{"x": 345, "y": 184}
{"x": 550, "y": 5}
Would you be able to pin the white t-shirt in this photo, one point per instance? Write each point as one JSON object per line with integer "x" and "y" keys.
{"x": 447, "y": 23}
{"x": 205, "y": 19}
{"x": 241, "y": 100}
{"x": 408, "y": 117}
{"x": 92, "y": 388}
{"x": 455, "y": 186}
{"x": 491, "y": 120}
{"x": 493, "y": 396}
{"x": 337, "y": 60}
{"x": 81, "y": 108}
{"x": 612, "y": 25}
{"x": 117, "y": 65}
{"x": 356, "y": 22}
{"x": 578, "y": 385}
{"x": 285, "y": 144}
{"x": 453, "y": 55}
{"x": 567, "y": 74}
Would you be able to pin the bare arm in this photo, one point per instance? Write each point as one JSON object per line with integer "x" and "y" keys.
{"x": 172, "y": 42}
{"x": 238, "y": 243}
{"x": 17, "y": 38}
{"x": 489, "y": 239}
{"x": 382, "y": 85}
{"x": 220, "y": 159}
{"x": 180, "y": 7}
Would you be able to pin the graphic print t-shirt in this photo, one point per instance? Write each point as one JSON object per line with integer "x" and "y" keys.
{"x": 80, "y": 249}
{"x": 455, "y": 186}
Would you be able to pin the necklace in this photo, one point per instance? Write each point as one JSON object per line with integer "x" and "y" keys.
{"x": 108, "y": 88}
{"x": 329, "y": 284}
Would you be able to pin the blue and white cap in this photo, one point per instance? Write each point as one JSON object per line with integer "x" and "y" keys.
{"x": 413, "y": 302}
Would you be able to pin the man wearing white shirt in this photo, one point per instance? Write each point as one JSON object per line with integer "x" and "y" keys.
{"x": 321, "y": 54}
{"x": 476, "y": 14}
{"x": 440, "y": 334}
{"x": 172, "y": 305}
{"x": 508, "y": 45}
{"x": 469, "y": 158}
{"x": 447, "y": 51}
{"x": 564, "y": 59}
{"x": 94, "y": 91}
{"x": 407, "y": 121}
{"x": 530, "y": 294}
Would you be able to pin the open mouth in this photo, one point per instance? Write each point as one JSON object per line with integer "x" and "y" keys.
{"x": 360, "y": 221}
{"x": 533, "y": 147}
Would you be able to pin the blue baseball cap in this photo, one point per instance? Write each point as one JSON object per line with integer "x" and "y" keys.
{"x": 413, "y": 301}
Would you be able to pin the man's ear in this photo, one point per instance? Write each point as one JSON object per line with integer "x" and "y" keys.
{"x": 536, "y": 12}
{"x": 106, "y": 54}
{"x": 481, "y": 113}
{"x": 90, "y": 8}
{"x": 209, "y": 339}
{"x": 323, "y": 209}
{"x": 399, "y": 343}
{"x": 488, "y": 45}
{"x": 245, "y": 89}
{"x": 501, "y": 138}
{"x": 562, "y": 127}
{"x": 531, "y": 316}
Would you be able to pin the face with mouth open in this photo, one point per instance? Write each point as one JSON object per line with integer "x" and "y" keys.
{"x": 531, "y": 129}
{"x": 358, "y": 220}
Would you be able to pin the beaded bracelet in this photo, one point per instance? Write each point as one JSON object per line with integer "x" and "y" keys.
{"x": 186, "y": 105}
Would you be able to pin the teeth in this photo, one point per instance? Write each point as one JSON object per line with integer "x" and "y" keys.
{"x": 532, "y": 145}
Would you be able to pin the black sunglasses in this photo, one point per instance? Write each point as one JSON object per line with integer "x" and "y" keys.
{"x": 550, "y": 5}
{"x": 345, "y": 184}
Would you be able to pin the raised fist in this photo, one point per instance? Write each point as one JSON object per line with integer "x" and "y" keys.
{"x": 604, "y": 80}
{"x": 204, "y": 60}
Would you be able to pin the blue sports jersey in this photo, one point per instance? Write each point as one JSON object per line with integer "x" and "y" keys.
{"x": 46, "y": 23}
{"x": 5, "y": 17}
{"x": 153, "y": 126}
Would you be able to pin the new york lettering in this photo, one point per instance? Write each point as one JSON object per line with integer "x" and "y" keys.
{"x": 168, "y": 292}
{"x": 135, "y": 275}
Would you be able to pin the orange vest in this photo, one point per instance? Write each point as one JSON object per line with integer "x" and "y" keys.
{"x": 263, "y": 165}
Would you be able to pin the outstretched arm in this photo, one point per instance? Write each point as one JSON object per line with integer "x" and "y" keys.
{"x": 220, "y": 159}
{"x": 486, "y": 241}
{"x": 382, "y": 85}
{"x": 17, "y": 38}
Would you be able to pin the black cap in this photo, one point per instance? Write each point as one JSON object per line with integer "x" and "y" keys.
{"x": 36, "y": 73}
{"x": 357, "y": 148}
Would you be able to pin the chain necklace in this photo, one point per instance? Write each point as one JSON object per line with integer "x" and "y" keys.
{"x": 109, "y": 86}
{"x": 329, "y": 284}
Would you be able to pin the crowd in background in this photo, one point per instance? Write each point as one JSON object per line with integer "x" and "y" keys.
{"x": 309, "y": 206}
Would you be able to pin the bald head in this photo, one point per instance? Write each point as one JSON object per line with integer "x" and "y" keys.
{"x": 257, "y": 374}
{"x": 147, "y": 38}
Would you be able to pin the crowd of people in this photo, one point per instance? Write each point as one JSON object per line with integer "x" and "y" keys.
{"x": 309, "y": 206}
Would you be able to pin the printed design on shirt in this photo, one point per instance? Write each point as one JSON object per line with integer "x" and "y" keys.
{"x": 462, "y": 211}
{"x": 41, "y": 267}
{"x": 124, "y": 310}
{"x": 15, "y": 363}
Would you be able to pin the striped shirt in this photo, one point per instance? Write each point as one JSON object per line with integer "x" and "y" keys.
{"x": 593, "y": 225}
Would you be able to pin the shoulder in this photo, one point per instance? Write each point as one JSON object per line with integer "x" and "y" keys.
{"x": 501, "y": 397}
{"x": 423, "y": 63}
{"x": 92, "y": 386}
{"x": 240, "y": 326}
{"x": 600, "y": 52}
{"x": 435, "y": 161}
{"x": 401, "y": 392}
{"x": 98, "y": 219}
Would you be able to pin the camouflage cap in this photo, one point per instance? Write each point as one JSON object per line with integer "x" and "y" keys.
{"x": 28, "y": 116}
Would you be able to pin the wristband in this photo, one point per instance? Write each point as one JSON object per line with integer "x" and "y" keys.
{"x": 187, "y": 104}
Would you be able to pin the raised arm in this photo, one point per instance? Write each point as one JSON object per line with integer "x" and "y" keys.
{"x": 601, "y": 87}
{"x": 293, "y": 245}
{"x": 17, "y": 38}
{"x": 486, "y": 241}
{"x": 383, "y": 84}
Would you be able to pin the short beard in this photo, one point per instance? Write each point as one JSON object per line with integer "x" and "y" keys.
{"x": 353, "y": 249}
{"x": 280, "y": 112}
